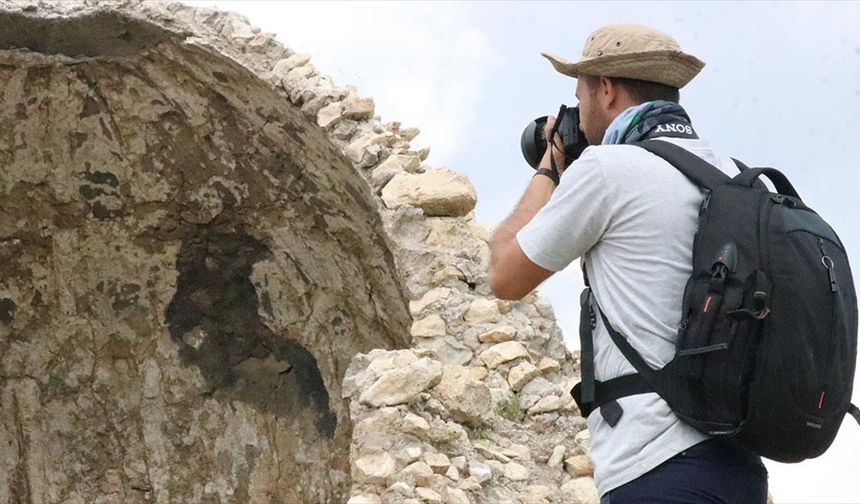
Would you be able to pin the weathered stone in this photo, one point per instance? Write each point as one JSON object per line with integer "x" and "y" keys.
{"x": 438, "y": 462}
{"x": 482, "y": 311}
{"x": 452, "y": 473}
{"x": 402, "y": 385}
{"x": 480, "y": 471}
{"x": 471, "y": 484}
{"x": 516, "y": 472}
{"x": 428, "y": 495}
{"x": 500, "y": 353}
{"x": 466, "y": 398}
{"x": 536, "y": 390}
{"x": 521, "y": 374}
{"x": 457, "y": 496}
{"x": 358, "y": 108}
{"x": 459, "y": 462}
{"x": 401, "y": 162}
{"x": 517, "y": 451}
{"x": 402, "y": 488}
{"x": 496, "y": 466}
{"x": 414, "y": 424}
{"x": 375, "y": 468}
{"x": 490, "y": 451}
{"x": 498, "y": 335}
{"x": 557, "y": 456}
{"x": 583, "y": 441}
{"x": 546, "y": 404}
{"x": 364, "y": 499}
{"x": 418, "y": 473}
{"x": 285, "y": 65}
{"x": 578, "y": 466}
{"x": 448, "y": 273}
{"x": 429, "y": 327}
{"x": 432, "y": 296}
{"x": 408, "y": 454}
{"x": 437, "y": 192}
{"x": 580, "y": 491}
{"x": 548, "y": 365}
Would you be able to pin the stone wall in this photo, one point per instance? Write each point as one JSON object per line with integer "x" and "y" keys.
{"x": 227, "y": 280}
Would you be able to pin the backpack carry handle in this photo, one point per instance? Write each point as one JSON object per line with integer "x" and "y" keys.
{"x": 748, "y": 177}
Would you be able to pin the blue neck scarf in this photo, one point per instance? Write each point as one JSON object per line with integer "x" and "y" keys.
{"x": 648, "y": 120}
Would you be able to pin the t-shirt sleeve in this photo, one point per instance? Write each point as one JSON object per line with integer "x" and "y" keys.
{"x": 575, "y": 218}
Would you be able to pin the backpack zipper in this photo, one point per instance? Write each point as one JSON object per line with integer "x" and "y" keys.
{"x": 827, "y": 261}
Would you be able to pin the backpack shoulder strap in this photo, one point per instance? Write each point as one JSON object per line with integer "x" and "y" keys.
{"x": 699, "y": 171}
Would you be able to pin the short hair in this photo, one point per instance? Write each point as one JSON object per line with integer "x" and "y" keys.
{"x": 641, "y": 91}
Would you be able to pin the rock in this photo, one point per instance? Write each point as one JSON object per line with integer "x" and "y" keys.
{"x": 583, "y": 441}
{"x": 536, "y": 390}
{"x": 467, "y": 399}
{"x": 432, "y": 296}
{"x": 457, "y": 496}
{"x": 539, "y": 494}
{"x": 447, "y": 350}
{"x": 429, "y": 327}
{"x": 487, "y": 450}
{"x": 438, "y": 462}
{"x": 496, "y": 466}
{"x": 364, "y": 499}
{"x": 401, "y": 163}
{"x": 408, "y": 454}
{"x": 517, "y": 451}
{"x": 374, "y": 469}
{"x": 557, "y": 456}
{"x": 546, "y": 404}
{"x": 548, "y": 365}
{"x": 402, "y": 488}
{"x": 428, "y": 495}
{"x": 417, "y": 472}
{"x": 459, "y": 463}
{"x": 579, "y": 465}
{"x": 521, "y": 374}
{"x": 452, "y": 473}
{"x": 438, "y": 192}
{"x": 500, "y": 353}
{"x": 402, "y": 385}
{"x": 470, "y": 484}
{"x": 482, "y": 311}
{"x": 516, "y": 472}
{"x": 414, "y": 424}
{"x": 358, "y": 108}
{"x": 480, "y": 471}
{"x": 580, "y": 491}
{"x": 498, "y": 335}
{"x": 285, "y": 65}
{"x": 448, "y": 273}
{"x": 330, "y": 115}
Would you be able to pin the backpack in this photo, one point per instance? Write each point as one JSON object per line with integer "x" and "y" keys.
{"x": 767, "y": 343}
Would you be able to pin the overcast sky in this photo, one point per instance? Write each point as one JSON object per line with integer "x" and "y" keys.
{"x": 781, "y": 88}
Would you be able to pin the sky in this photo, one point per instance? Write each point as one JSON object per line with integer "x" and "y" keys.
{"x": 781, "y": 88}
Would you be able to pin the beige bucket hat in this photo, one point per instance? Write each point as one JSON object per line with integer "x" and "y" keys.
{"x": 634, "y": 52}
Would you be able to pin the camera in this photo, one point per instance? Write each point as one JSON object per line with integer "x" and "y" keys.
{"x": 533, "y": 141}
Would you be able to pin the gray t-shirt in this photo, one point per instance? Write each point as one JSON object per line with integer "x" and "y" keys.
{"x": 631, "y": 216}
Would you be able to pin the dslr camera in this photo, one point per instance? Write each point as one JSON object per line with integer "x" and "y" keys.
{"x": 534, "y": 142}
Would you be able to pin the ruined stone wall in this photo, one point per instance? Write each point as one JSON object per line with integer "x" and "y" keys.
{"x": 227, "y": 280}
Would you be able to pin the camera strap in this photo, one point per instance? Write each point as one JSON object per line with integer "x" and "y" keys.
{"x": 550, "y": 141}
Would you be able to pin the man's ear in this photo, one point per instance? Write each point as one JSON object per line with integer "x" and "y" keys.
{"x": 608, "y": 93}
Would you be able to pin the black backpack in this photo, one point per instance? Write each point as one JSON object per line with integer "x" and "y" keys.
{"x": 767, "y": 345}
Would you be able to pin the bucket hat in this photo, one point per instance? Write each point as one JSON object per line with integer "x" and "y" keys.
{"x": 633, "y": 52}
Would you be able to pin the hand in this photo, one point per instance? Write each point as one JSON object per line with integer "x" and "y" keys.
{"x": 556, "y": 151}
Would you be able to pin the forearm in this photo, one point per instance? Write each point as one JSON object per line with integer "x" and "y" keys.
{"x": 536, "y": 195}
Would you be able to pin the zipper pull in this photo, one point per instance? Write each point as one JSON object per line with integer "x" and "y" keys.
{"x": 827, "y": 261}
{"x": 705, "y": 203}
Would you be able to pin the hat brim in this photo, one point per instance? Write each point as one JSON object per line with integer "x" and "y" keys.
{"x": 673, "y": 68}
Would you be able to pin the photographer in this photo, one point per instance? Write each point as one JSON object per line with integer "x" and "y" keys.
{"x": 632, "y": 218}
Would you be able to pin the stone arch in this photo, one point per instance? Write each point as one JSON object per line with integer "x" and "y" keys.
{"x": 190, "y": 266}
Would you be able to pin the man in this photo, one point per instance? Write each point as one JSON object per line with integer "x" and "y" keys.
{"x": 631, "y": 217}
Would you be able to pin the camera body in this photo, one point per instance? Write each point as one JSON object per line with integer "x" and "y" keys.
{"x": 533, "y": 141}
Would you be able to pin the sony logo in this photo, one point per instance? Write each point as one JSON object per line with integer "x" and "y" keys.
{"x": 674, "y": 128}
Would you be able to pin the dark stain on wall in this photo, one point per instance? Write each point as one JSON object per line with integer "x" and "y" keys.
{"x": 213, "y": 317}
